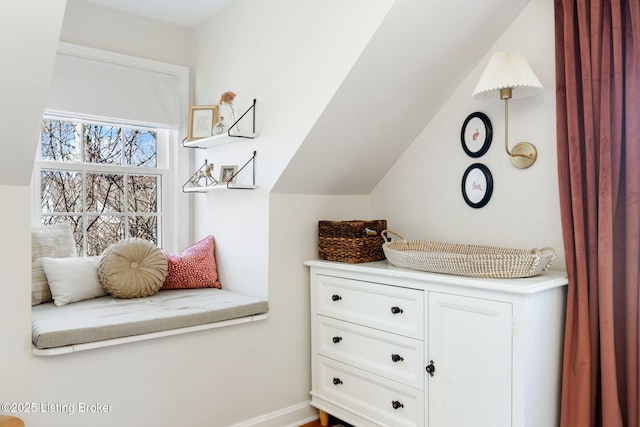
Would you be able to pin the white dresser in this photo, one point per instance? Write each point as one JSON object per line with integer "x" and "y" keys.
{"x": 395, "y": 347}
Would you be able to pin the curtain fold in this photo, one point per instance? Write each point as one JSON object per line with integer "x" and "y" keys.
{"x": 598, "y": 128}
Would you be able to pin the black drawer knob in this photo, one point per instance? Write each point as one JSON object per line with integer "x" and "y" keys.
{"x": 396, "y": 404}
{"x": 336, "y": 340}
{"x": 336, "y": 297}
{"x": 337, "y": 381}
{"x": 397, "y": 358}
{"x": 396, "y": 310}
{"x": 431, "y": 367}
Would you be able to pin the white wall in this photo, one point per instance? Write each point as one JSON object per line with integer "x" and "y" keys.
{"x": 421, "y": 197}
{"x": 15, "y": 295}
{"x": 103, "y": 28}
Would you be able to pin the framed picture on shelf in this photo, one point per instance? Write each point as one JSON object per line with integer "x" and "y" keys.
{"x": 477, "y": 185}
{"x": 227, "y": 173}
{"x": 476, "y": 134}
{"x": 202, "y": 118}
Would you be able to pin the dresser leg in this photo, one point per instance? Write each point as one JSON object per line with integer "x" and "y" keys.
{"x": 324, "y": 419}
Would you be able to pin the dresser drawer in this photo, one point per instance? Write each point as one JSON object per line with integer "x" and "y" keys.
{"x": 389, "y": 308}
{"x": 387, "y": 402}
{"x": 392, "y": 356}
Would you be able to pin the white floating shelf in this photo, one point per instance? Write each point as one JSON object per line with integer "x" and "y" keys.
{"x": 217, "y": 140}
{"x": 229, "y": 136}
{"x": 218, "y": 187}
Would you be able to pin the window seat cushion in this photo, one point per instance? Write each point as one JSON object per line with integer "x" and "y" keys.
{"x": 107, "y": 317}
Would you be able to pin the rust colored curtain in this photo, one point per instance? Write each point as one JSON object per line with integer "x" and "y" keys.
{"x": 598, "y": 127}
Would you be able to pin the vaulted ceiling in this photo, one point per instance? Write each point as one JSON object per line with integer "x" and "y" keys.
{"x": 420, "y": 54}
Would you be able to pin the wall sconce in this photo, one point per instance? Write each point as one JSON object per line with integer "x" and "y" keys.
{"x": 508, "y": 75}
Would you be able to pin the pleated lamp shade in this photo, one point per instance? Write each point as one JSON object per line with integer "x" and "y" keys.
{"x": 507, "y": 70}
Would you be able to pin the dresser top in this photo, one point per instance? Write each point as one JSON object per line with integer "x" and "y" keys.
{"x": 383, "y": 269}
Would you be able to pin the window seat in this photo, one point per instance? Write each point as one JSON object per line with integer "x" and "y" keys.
{"x": 107, "y": 321}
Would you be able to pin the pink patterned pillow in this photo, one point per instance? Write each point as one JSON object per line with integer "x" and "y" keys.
{"x": 194, "y": 267}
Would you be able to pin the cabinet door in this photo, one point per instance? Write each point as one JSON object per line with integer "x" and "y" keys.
{"x": 470, "y": 344}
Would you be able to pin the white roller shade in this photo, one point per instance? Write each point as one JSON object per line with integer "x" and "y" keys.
{"x": 98, "y": 83}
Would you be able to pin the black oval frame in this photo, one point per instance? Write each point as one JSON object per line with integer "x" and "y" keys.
{"x": 488, "y": 134}
{"x": 489, "y": 191}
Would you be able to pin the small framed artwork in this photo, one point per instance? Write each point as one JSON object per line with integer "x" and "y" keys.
{"x": 202, "y": 118}
{"x": 227, "y": 173}
{"x": 476, "y": 134}
{"x": 477, "y": 185}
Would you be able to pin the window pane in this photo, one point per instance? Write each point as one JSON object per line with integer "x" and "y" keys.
{"x": 76, "y": 227}
{"x": 60, "y": 191}
{"x": 59, "y": 141}
{"x": 103, "y": 231}
{"x": 103, "y": 204}
{"x": 140, "y": 148}
{"x": 105, "y": 192}
{"x": 144, "y": 227}
{"x": 143, "y": 193}
{"x": 102, "y": 144}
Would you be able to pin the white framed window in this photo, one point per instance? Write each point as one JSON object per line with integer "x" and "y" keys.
{"x": 118, "y": 103}
{"x": 109, "y": 180}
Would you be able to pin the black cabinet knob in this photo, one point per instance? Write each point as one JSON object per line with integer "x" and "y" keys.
{"x": 337, "y": 381}
{"x": 397, "y": 310}
{"x": 336, "y": 297}
{"x": 336, "y": 340}
{"x": 397, "y": 358}
{"x": 396, "y": 404}
{"x": 431, "y": 367}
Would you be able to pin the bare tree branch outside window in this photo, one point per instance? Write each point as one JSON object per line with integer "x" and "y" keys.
{"x": 88, "y": 187}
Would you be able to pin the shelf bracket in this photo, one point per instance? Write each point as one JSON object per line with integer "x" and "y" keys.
{"x": 253, "y": 131}
{"x": 252, "y": 160}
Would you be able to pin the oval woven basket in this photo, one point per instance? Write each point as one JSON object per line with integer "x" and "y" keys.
{"x": 467, "y": 259}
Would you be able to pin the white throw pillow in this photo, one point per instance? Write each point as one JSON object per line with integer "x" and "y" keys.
{"x": 73, "y": 279}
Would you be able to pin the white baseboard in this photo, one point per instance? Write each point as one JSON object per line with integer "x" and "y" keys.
{"x": 293, "y": 416}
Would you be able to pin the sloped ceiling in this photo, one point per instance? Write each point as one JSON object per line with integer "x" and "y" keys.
{"x": 420, "y": 54}
{"x": 29, "y": 32}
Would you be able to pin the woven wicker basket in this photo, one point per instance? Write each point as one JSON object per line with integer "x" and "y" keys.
{"x": 351, "y": 241}
{"x": 467, "y": 260}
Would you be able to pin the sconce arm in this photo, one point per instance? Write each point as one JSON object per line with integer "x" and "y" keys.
{"x": 524, "y": 154}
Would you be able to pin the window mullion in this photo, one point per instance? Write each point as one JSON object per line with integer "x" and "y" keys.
{"x": 125, "y": 182}
{"x": 83, "y": 215}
